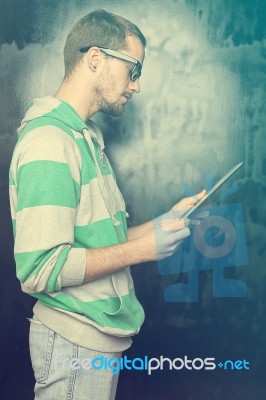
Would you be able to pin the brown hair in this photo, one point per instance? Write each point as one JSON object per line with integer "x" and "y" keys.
{"x": 99, "y": 28}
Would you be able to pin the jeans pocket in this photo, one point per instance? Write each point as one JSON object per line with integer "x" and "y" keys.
{"x": 41, "y": 349}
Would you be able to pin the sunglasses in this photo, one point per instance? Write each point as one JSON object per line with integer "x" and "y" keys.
{"x": 134, "y": 73}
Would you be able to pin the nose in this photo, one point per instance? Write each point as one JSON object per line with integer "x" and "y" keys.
{"x": 135, "y": 86}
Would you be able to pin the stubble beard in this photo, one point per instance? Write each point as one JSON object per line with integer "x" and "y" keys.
{"x": 113, "y": 109}
{"x": 104, "y": 92}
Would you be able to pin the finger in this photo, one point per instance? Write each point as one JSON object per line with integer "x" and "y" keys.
{"x": 182, "y": 234}
{"x": 186, "y": 203}
{"x": 195, "y": 222}
{"x": 194, "y": 199}
{"x": 175, "y": 224}
{"x": 201, "y": 194}
{"x": 197, "y": 218}
{"x": 201, "y": 214}
{"x": 198, "y": 196}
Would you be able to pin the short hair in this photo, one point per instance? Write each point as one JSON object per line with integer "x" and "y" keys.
{"x": 99, "y": 28}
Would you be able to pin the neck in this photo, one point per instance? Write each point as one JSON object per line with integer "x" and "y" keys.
{"x": 83, "y": 101}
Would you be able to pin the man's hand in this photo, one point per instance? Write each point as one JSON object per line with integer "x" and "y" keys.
{"x": 163, "y": 239}
{"x": 180, "y": 208}
{"x": 168, "y": 231}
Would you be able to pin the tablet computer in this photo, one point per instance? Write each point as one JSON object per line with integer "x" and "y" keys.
{"x": 212, "y": 190}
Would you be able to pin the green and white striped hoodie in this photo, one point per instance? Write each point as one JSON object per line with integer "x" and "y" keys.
{"x": 64, "y": 199}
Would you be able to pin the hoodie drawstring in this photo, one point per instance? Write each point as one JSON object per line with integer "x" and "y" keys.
{"x": 102, "y": 183}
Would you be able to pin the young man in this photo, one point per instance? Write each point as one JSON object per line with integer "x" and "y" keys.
{"x": 72, "y": 245}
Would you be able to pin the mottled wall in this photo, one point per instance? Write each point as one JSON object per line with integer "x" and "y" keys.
{"x": 201, "y": 109}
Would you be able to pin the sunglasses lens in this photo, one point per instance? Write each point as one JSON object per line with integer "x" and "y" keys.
{"x": 135, "y": 72}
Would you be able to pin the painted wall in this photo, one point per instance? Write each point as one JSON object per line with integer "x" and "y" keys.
{"x": 200, "y": 111}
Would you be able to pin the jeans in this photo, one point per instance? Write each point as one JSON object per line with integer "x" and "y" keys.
{"x": 63, "y": 370}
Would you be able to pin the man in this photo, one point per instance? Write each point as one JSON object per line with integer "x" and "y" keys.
{"x": 72, "y": 246}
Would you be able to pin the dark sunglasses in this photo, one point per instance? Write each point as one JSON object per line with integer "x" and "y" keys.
{"x": 134, "y": 73}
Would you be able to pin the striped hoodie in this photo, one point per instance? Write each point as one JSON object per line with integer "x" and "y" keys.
{"x": 64, "y": 199}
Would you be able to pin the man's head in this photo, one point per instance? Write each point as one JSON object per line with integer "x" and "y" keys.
{"x": 113, "y": 75}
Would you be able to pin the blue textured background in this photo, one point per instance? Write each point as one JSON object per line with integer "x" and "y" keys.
{"x": 201, "y": 110}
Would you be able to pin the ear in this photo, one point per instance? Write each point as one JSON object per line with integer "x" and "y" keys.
{"x": 94, "y": 57}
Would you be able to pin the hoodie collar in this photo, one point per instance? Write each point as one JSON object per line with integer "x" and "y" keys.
{"x": 53, "y": 107}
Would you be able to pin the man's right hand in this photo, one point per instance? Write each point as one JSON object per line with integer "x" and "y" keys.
{"x": 168, "y": 230}
{"x": 163, "y": 239}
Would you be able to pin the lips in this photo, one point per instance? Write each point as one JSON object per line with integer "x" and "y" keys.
{"x": 127, "y": 96}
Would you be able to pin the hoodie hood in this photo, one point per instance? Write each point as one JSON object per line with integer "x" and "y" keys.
{"x": 52, "y": 107}
{"x": 59, "y": 110}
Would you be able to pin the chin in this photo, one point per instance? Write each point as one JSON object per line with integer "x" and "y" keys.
{"x": 115, "y": 111}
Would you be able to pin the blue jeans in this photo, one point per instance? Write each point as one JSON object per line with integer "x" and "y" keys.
{"x": 63, "y": 370}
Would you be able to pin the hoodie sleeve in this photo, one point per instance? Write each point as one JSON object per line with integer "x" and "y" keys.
{"x": 44, "y": 196}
